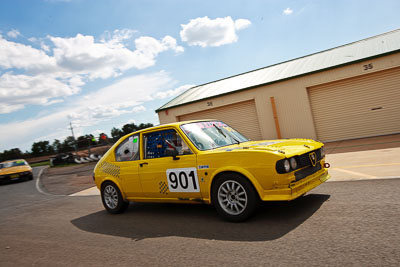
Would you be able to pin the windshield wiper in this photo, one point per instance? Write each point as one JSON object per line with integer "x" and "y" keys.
{"x": 237, "y": 141}
{"x": 221, "y": 132}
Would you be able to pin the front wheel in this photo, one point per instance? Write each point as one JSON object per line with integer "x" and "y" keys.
{"x": 112, "y": 198}
{"x": 234, "y": 197}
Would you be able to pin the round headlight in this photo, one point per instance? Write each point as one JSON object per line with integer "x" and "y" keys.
{"x": 286, "y": 165}
{"x": 293, "y": 163}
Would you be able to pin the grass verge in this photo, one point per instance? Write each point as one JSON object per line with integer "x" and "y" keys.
{"x": 43, "y": 163}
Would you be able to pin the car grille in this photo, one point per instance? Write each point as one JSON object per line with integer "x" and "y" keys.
{"x": 307, "y": 171}
{"x": 304, "y": 160}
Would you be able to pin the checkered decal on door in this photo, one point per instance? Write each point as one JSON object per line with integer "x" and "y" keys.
{"x": 110, "y": 169}
{"x": 163, "y": 188}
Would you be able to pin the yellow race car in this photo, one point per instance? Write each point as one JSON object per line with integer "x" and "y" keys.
{"x": 15, "y": 170}
{"x": 207, "y": 162}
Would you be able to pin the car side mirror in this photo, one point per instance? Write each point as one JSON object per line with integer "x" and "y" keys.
{"x": 172, "y": 152}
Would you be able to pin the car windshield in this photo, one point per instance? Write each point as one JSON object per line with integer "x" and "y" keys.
{"x": 12, "y": 164}
{"x": 212, "y": 134}
{"x": 18, "y": 163}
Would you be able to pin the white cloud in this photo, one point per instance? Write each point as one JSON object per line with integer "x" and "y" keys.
{"x": 54, "y": 68}
{"x": 126, "y": 96}
{"x": 287, "y": 11}
{"x": 83, "y": 55}
{"x": 21, "y": 134}
{"x": 169, "y": 42}
{"x": 16, "y": 91}
{"x": 45, "y": 79}
{"x": 138, "y": 109}
{"x": 55, "y": 101}
{"x": 20, "y": 56}
{"x": 45, "y": 47}
{"x": 131, "y": 91}
{"x": 95, "y": 114}
{"x": 13, "y": 33}
{"x": 173, "y": 92}
{"x": 117, "y": 36}
{"x": 212, "y": 32}
{"x": 147, "y": 48}
{"x": 241, "y": 24}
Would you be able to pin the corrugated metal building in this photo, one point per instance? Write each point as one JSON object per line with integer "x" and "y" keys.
{"x": 347, "y": 92}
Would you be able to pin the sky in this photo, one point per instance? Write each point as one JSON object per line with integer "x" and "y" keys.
{"x": 99, "y": 64}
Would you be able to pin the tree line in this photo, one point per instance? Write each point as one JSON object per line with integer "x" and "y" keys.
{"x": 69, "y": 144}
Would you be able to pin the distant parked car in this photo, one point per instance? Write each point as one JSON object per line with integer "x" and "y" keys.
{"x": 15, "y": 170}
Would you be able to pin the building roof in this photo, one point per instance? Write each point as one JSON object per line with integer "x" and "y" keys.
{"x": 379, "y": 45}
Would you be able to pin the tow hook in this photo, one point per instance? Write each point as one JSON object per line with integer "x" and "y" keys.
{"x": 327, "y": 165}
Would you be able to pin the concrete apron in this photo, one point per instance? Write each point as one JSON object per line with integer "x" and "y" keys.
{"x": 365, "y": 165}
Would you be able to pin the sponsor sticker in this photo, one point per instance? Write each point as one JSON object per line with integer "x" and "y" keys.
{"x": 200, "y": 167}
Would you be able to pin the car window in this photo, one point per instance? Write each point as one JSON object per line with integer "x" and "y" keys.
{"x": 157, "y": 143}
{"x": 128, "y": 150}
{"x": 19, "y": 163}
{"x": 212, "y": 134}
{"x": 7, "y": 164}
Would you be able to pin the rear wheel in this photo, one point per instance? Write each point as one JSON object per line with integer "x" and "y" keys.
{"x": 234, "y": 197}
{"x": 112, "y": 198}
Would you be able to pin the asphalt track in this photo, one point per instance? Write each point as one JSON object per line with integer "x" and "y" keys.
{"x": 337, "y": 224}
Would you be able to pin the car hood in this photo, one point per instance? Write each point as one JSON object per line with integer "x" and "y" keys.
{"x": 16, "y": 169}
{"x": 286, "y": 147}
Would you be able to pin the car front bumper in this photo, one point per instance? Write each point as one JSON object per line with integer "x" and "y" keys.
{"x": 297, "y": 189}
{"x": 16, "y": 176}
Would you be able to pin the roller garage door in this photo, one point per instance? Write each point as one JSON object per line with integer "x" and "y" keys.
{"x": 363, "y": 106}
{"x": 242, "y": 116}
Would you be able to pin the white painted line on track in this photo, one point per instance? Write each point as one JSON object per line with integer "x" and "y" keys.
{"x": 368, "y": 165}
{"x": 347, "y": 179}
{"x": 356, "y": 173}
{"x": 38, "y": 183}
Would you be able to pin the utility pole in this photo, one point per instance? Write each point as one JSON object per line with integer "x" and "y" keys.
{"x": 72, "y": 130}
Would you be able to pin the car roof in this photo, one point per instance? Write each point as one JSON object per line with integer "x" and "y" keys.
{"x": 178, "y": 123}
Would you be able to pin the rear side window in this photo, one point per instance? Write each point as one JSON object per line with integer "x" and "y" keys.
{"x": 128, "y": 150}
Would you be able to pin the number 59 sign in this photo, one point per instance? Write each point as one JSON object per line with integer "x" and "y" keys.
{"x": 183, "y": 180}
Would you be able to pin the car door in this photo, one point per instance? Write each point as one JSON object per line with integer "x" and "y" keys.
{"x": 127, "y": 156}
{"x": 167, "y": 177}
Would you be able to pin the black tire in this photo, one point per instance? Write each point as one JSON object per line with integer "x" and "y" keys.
{"x": 234, "y": 197}
{"x": 30, "y": 177}
{"x": 112, "y": 198}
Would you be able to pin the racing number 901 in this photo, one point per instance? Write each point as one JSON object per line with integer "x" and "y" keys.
{"x": 182, "y": 180}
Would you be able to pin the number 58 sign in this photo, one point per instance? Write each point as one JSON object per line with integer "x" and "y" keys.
{"x": 183, "y": 180}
